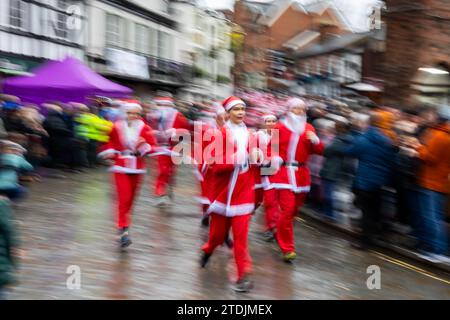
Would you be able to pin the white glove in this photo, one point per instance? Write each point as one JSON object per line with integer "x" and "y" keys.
{"x": 311, "y": 136}
{"x": 171, "y": 133}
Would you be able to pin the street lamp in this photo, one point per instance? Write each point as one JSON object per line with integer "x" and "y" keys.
{"x": 434, "y": 70}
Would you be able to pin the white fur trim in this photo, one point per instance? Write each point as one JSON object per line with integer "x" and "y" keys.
{"x": 107, "y": 152}
{"x": 197, "y": 174}
{"x": 119, "y": 169}
{"x": 233, "y": 103}
{"x": 202, "y": 200}
{"x": 144, "y": 149}
{"x": 314, "y": 138}
{"x": 130, "y": 106}
{"x": 164, "y": 101}
{"x": 287, "y": 186}
{"x": 269, "y": 117}
{"x": 293, "y": 102}
{"x": 230, "y": 211}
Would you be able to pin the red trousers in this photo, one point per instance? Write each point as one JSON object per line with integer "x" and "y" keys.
{"x": 271, "y": 208}
{"x": 166, "y": 170}
{"x": 127, "y": 187}
{"x": 218, "y": 231}
{"x": 289, "y": 204}
{"x": 259, "y": 195}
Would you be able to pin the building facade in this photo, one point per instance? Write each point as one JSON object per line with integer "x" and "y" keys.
{"x": 205, "y": 45}
{"x": 34, "y": 31}
{"x": 274, "y": 33}
{"x": 137, "y": 43}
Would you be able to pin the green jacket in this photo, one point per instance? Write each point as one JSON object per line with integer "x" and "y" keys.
{"x": 92, "y": 127}
{"x": 8, "y": 241}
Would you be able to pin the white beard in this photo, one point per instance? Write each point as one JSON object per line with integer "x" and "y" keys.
{"x": 296, "y": 123}
{"x": 132, "y": 131}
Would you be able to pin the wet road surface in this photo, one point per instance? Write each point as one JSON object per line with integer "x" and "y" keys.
{"x": 66, "y": 222}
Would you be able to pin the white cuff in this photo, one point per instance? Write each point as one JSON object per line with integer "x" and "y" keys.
{"x": 314, "y": 139}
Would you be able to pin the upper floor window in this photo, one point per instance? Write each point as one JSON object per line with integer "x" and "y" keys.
{"x": 164, "y": 45}
{"x": 17, "y": 13}
{"x": 113, "y": 29}
{"x": 61, "y": 30}
{"x": 142, "y": 38}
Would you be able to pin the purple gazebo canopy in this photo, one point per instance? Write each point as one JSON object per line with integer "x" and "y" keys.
{"x": 66, "y": 81}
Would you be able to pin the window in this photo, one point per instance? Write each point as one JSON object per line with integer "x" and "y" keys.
{"x": 61, "y": 22}
{"x": 114, "y": 26}
{"x": 142, "y": 39}
{"x": 17, "y": 14}
{"x": 165, "y": 6}
{"x": 224, "y": 70}
{"x": 152, "y": 40}
{"x": 164, "y": 45}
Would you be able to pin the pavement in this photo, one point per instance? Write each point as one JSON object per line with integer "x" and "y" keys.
{"x": 67, "y": 224}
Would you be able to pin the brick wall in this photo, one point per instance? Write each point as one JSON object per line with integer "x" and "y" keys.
{"x": 416, "y": 38}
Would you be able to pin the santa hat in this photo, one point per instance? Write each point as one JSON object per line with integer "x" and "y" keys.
{"x": 130, "y": 106}
{"x": 232, "y": 101}
{"x": 293, "y": 102}
{"x": 269, "y": 116}
{"x": 163, "y": 101}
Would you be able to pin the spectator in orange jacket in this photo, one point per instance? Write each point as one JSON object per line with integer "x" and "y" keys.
{"x": 434, "y": 172}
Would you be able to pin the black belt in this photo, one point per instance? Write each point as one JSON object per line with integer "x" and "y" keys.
{"x": 286, "y": 164}
{"x": 129, "y": 153}
{"x": 293, "y": 164}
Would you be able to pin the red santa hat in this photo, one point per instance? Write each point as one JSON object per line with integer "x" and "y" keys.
{"x": 232, "y": 101}
{"x": 164, "y": 101}
{"x": 126, "y": 107}
{"x": 293, "y": 102}
{"x": 269, "y": 116}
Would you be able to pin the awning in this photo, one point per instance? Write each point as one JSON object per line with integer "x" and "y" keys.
{"x": 365, "y": 87}
{"x": 16, "y": 66}
{"x": 15, "y": 72}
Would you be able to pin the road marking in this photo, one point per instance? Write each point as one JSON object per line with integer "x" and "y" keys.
{"x": 395, "y": 261}
{"x": 408, "y": 266}
{"x": 304, "y": 223}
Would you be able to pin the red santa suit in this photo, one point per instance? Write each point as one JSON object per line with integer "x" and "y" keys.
{"x": 167, "y": 121}
{"x": 292, "y": 181}
{"x": 233, "y": 202}
{"x": 127, "y": 147}
{"x": 269, "y": 195}
{"x": 203, "y": 138}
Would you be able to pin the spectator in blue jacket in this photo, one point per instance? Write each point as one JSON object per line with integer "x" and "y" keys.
{"x": 376, "y": 152}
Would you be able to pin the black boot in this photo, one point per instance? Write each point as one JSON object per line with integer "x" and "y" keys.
{"x": 125, "y": 239}
{"x": 243, "y": 285}
{"x": 204, "y": 259}
{"x": 205, "y": 221}
{"x": 229, "y": 242}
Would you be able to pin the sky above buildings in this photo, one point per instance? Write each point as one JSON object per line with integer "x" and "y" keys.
{"x": 356, "y": 11}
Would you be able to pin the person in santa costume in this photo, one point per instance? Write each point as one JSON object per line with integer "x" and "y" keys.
{"x": 232, "y": 201}
{"x": 167, "y": 122}
{"x": 129, "y": 141}
{"x": 269, "y": 195}
{"x": 297, "y": 140}
{"x": 202, "y": 170}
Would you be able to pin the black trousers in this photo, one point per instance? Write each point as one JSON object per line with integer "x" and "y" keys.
{"x": 370, "y": 204}
{"x": 92, "y": 153}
